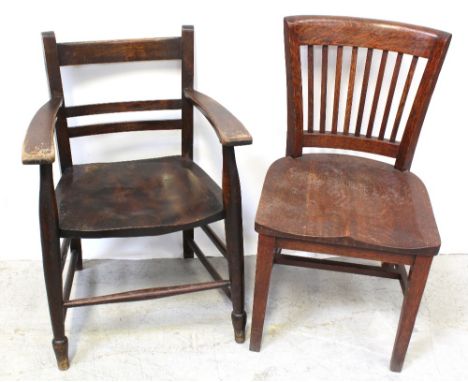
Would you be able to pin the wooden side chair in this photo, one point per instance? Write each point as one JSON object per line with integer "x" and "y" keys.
{"x": 134, "y": 198}
{"x": 342, "y": 204}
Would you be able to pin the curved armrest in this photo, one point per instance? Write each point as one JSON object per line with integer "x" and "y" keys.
{"x": 38, "y": 146}
{"x": 228, "y": 128}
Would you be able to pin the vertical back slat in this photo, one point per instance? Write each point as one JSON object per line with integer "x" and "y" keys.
{"x": 391, "y": 92}
{"x": 349, "y": 98}
{"x": 323, "y": 96}
{"x": 336, "y": 99}
{"x": 310, "y": 88}
{"x": 404, "y": 96}
{"x": 56, "y": 89}
{"x": 365, "y": 83}
{"x": 187, "y": 83}
{"x": 378, "y": 88}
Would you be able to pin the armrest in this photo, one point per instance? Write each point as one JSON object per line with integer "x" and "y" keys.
{"x": 228, "y": 128}
{"x": 38, "y": 146}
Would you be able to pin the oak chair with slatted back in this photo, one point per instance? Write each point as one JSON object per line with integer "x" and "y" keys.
{"x": 350, "y": 205}
{"x": 133, "y": 198}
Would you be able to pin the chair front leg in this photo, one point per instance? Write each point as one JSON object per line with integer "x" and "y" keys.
{"x": 265, "y": 257}
{"x": 188, "y": 235}
{"x": 234, "y": 241}
{"x": 416, "y": 282}
{"x": 51, "y": 260}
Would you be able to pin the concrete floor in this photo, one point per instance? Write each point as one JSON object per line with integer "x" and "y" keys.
{"x": 320, "y": 325}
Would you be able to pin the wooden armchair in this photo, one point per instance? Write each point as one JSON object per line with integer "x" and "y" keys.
{"x": 347, "y": 205}
{"x": 135, "y": 198}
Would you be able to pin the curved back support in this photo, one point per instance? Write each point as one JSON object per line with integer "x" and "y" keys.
{"x": 345, "y": 34}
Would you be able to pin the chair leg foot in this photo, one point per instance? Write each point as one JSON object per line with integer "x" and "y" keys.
{"x": 61, "y": 353}
{"x": 75, "y": 247}
{"x": 416, "y": 283}
{"x": 188, "y": 252}
{"x": 238, "y": 322}
{"x": 265, "y": 257}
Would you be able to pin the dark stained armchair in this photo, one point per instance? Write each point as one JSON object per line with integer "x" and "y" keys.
{"x": 348, "y": 205}
{"x": 133, "y": 198}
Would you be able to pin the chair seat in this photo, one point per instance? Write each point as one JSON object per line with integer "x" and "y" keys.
{"x": 136, "y": 198}
{"x": 347, "y": 200}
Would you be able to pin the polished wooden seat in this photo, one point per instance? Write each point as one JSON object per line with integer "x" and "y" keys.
{"x": 137, "y": 198}
{"x": 134, "y": 198}
{"x": 349, "y": 201}
{"x": 339, "y": 204}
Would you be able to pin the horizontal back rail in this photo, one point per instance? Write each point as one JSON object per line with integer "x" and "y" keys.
{"x": 376, "y": 34}
{"x": 351, "y": 142}
{"x": 118, "y": 127}
{"x": 119, "y": 107}
{"x": 100, "y": 52}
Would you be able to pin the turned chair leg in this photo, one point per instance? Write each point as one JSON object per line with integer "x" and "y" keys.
{"x": 75, "y": 246}
{"x": 416, "y": 282}
{"x": 265, "y": 257}
{"x": 51, "y": 261}
{"x": 188, "y": 251}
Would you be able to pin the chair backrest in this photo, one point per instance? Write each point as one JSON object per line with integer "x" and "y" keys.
{"x": 345, "y": 34}
{"x": 100, "y": 52}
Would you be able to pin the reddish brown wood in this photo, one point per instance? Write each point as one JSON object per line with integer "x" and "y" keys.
{"x": 404, "y": 96}
{"x": 310, "y": 89}
{"x": 391, "y": 92}
{"x": 346, "y": 205}
{"x": 336, "y": 99}
{"x": 323, "y": 96}
{"x": 265, "y": 256}
{"x": 349, "y": 98}
{"x": 365, "y": 83}
{"x": 100, "y": 52}
{"x": 378, "y": 88}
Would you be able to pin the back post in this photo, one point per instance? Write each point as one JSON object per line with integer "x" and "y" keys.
{"x": 56, "y": 90}
{"x": 187, "y": 83}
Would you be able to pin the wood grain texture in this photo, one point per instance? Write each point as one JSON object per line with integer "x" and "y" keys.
{"x": 137, "y": 198}
{"x": 377, "y": 34}
{"x": 38, "y": 145}
{"x": 228, "y": 128}
{"x": 349, "y": 201}
{"x": 100, "y": 52}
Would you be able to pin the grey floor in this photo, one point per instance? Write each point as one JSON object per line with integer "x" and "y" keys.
{"x": 320, "y": 325}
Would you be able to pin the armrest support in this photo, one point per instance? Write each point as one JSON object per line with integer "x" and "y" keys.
{"x": 228, "y": 128}
{"x": 38, "y": 146}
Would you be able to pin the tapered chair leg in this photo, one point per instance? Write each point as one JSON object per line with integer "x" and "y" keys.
{"x": 265, "y": 257}
{"x": 75, "y": 246}
{"x": 188, "y": 251}
{"x": 416, "y": 283}
{"x": 52, "y": 264}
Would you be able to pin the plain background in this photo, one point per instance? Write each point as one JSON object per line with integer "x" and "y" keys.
{"x": 239, "y": 62}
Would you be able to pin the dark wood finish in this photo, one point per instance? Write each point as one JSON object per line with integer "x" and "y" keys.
{"x": 215, "y": 240}
{"x": 323, "y": 95}
{"x": 227, "y": 127}
{"x": 56, "y": 90}
{"x": 346, "y": 205}
{"x": 146, "y": 294}
{"x": 100, "y": 52}
{"x": 119, "y": 107}
{"x": 119, "y": 127}
{"x": 135, "y": 198}
{"x": 208, "y": 266}
{"x": 38, "y": 146}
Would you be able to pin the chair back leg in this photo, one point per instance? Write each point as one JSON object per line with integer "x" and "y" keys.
{"x": 416, "y": 282}
{"x": 265, "y": 257}
{"x": 188, "y": 236}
